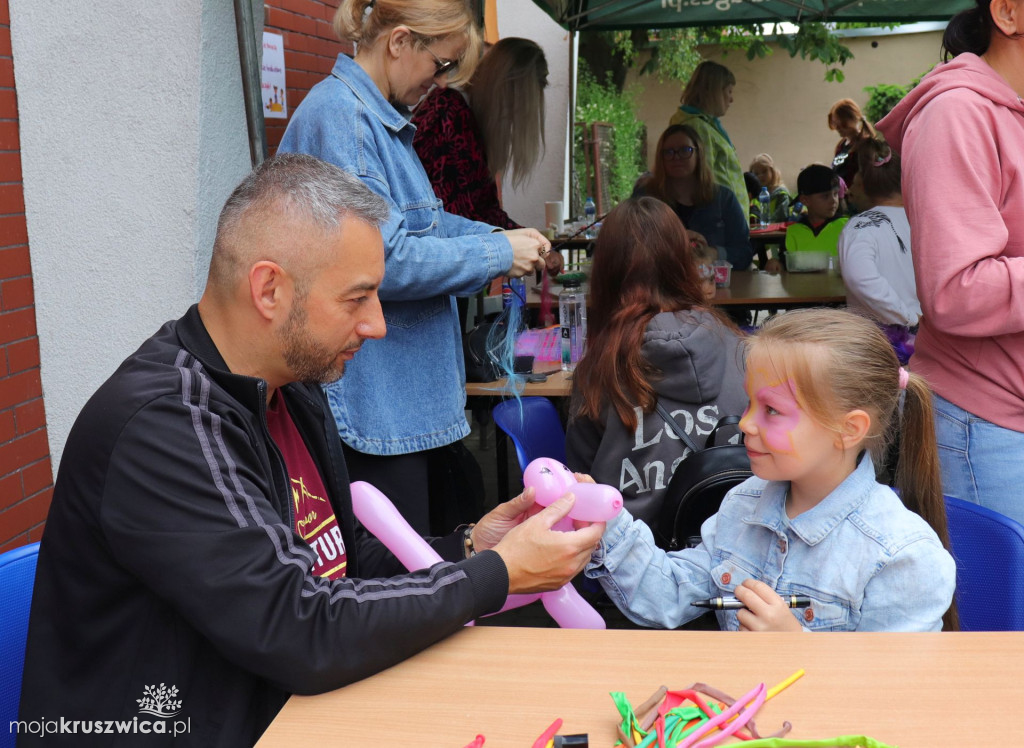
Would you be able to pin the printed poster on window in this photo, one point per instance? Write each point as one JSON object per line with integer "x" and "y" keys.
{"x": 275, "y": 104}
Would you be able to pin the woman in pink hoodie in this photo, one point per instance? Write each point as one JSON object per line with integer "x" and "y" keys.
{"x": 960, "y": 133}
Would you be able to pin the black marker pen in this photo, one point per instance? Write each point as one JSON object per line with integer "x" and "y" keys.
{"x": 731, "y": 603}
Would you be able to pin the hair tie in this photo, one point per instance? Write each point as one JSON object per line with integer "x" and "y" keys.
{"x": 904, "y": 378}
{"x": 883, "y": 161}
{"x": 368, "y": 9}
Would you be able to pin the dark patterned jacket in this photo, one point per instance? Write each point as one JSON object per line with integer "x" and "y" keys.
{"x": 451, "y": 147}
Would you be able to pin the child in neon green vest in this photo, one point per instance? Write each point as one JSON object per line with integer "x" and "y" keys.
{"x": 819, "y": 228}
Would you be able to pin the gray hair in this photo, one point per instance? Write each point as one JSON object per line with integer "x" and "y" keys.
{"x": 308, "y": 187}
{"x": 294, "y": 186}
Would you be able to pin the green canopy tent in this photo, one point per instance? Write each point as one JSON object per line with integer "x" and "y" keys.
{"x": 615, "y": 15}
{"x": 576, "y": 15}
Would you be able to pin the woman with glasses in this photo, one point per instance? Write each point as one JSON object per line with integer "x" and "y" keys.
{"x": 708, "y": 96}
{"x": 401, "y": 401}
{"x": 711, "y": 214}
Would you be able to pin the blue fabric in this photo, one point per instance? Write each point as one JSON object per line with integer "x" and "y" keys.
{"x": 981, "y": 462}
{"x": 404, "y": 393}
{"x": 534, "y": 427}
{"x": 983, "y": 540}
{"x": 723, "y": 223}
{"x": 867, "y": 562}
{"x": 17, "y": 577}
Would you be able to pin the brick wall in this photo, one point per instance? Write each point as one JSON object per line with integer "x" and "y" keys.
{"x": 26, "y": 481}
{"x": 310, "y": 49}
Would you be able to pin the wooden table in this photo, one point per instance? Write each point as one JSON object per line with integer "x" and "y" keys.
{"x": 509, "y": 684}
{"x": 773, "y": 291}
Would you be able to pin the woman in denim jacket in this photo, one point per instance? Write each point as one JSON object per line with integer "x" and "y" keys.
{"x": 824, "y": 386}
{"x": 403, "y": 397}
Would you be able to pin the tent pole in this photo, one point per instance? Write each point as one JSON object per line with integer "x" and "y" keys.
{"x": 571, "y": 145}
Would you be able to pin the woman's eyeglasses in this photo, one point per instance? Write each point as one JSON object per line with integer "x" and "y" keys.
{"x": 442, "y": 67}
{"x": 678, "y": 154}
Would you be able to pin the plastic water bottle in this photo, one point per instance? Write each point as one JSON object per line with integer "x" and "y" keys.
{"x": 797, "y": 211}
{"x": 589, "y": 215}
{"x": 764, "y": 199}
{"x": 572, "y": 315}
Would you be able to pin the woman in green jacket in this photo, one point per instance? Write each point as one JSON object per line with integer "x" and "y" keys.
{"x": 707, "y": 97}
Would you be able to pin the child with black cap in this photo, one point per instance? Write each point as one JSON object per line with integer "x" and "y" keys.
{"x": 819, "y": 228}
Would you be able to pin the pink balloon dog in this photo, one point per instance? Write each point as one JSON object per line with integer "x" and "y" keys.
{"x": 550, "y": 479}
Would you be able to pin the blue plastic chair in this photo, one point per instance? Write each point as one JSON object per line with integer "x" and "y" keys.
{"x": 989, "y": 551}
{"x": 17, "y": 575}
{"x": 535, "y": 428}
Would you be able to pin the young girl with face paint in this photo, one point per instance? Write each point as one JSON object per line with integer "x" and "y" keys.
{"x": 827, "y": 396}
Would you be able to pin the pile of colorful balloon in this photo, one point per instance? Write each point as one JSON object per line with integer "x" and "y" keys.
{"x": 701, "y": 716}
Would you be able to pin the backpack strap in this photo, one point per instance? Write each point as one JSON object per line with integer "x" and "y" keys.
{"x": 722, "y": 422}
{"x": 677, "y": 428}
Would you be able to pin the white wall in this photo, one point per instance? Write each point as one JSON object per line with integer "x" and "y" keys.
{"x": 523, "y": 18}
{"x": 132, "y": 135}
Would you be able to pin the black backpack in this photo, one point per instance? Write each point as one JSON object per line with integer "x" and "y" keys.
{"x": 699, "y": 484}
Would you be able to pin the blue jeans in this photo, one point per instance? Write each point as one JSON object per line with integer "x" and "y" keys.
{"x": 981, "y": 462}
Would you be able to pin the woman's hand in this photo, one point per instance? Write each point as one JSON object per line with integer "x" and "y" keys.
{"x": 529, "y": 248}
{"x": 765, "y": 610}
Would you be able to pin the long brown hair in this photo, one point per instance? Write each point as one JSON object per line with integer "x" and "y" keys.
{"x": 842, "y": 362}
{"x": 506, "y": 95}
{"x": 657, "y": 185}
{"x": 642, "y": 266}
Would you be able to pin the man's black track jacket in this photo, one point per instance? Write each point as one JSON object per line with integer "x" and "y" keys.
{"x": 169, "y": 557}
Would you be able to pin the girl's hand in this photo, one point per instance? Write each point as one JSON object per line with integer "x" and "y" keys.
{"x": 765, "y": 610}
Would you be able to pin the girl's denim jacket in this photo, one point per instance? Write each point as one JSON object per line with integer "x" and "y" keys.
{"x": 867, "y": 562}
{"x": 404, "y": 393}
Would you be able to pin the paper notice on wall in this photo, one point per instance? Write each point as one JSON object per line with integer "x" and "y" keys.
{"x": 275, "y": 103}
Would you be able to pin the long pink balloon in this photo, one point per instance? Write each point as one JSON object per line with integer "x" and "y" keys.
{"x": 550, "y": 479}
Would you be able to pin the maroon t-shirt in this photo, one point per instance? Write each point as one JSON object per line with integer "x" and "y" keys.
{"x": 314, "y": 516}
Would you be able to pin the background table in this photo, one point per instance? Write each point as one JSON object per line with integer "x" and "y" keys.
{"x": 774, "y": 291}
{"x": 757, "y": 290}
{"x": 509, "y": 684}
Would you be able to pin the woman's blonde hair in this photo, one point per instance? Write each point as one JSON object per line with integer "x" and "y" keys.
{"x": 841, "y": 362}
{"x": 363, "y": 21}
{"x": 706, "y": 88}
{"x": 506, "y": 94}
{"x": 763, "y": 159}
{"x": 657, "y": 185}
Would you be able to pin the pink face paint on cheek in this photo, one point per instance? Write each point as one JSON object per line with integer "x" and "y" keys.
{"x": 776, "y": 429}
